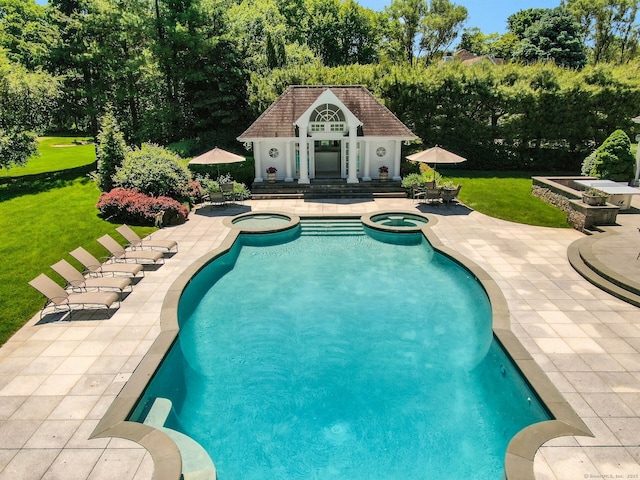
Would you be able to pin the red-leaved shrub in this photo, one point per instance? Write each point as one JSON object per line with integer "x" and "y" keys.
{"x": 195, "y": 191}
{"x": 133, "y": 207}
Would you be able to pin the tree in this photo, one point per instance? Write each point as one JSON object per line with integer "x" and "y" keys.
{"x": 518, "y": 22}
{"x": 493, "y": 44}
{"x": 103, "y": 57}
{"x": 24, "y": 32}
{"x": 405, "y": 18}
{"x": 26, "y": 101}
{"x": 610, "y": 28}
{"x": 358, "y": 34}
{"x": 202, "y": 66}
{"x": 111, "y": 150}
{"x": 261, "y": 32}
{"x": 440, "y": 27}
{"x": 555, "y": 35}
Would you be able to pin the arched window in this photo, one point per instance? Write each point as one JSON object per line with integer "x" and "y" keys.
{"x": 327, "y": 118}
{"x": 327, "y": 113}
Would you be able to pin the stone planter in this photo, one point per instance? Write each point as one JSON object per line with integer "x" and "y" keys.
{"x": 384, "y": 176}
{"x": 271, "y": 177}
{"x": 594, "y": 200}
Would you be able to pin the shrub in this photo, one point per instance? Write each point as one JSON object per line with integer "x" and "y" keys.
{"x": 155, "y": 171}
{"x": 588, "y": 164}
{"x": 130, "y": 206}
{"x": 195, "y": 191}
{"x": 613, "y": 159}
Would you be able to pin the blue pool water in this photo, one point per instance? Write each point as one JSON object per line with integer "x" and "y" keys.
{"x": 351, "y": 357}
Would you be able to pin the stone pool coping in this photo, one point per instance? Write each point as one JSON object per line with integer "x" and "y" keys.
{"x": 167, "y": 459}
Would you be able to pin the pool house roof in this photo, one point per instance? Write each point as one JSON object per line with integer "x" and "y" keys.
{"x": 279, "y": 119}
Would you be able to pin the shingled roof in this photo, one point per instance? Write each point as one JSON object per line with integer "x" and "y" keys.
{"x": 278, "y": 120}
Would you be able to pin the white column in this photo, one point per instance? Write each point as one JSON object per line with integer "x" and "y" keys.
{"x": 366, "y": 174}
{"x": 396, "y": 161}
{"x": 304, "y": 167}
{"x": 257, "y": 154}
{"x": 352, "y": 167}
{"x": 289, "y": 159}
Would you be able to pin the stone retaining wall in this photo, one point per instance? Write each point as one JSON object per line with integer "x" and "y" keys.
{"x": 565, "y": 194}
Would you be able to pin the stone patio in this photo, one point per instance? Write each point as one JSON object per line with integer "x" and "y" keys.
{"x": 58, "y": 379}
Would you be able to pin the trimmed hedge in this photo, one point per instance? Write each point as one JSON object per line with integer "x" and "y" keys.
{"x": 130, "y": 206}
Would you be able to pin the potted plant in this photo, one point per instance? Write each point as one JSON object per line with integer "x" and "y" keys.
{"x": 271, "y": 174}
{"x": 383, "y": 173}
{"x": 448, "y": 191}
{"x": 594, "y": 197}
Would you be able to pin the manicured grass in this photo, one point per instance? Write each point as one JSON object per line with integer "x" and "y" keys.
{"x": 42, "y": 218}
{"x": 56, "y": 153}
{"x": 505, "y": 195}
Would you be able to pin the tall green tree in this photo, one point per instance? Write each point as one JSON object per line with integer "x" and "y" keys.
{"x": 26, "y": 101}
{"x": 493, "y": 44}
{"x": 554, "y": 36}
{"x": 611, "y": 28}
{"x": 25, "y": 33}
{"x": 261, "y": 32}
{"x": 111, "y": 150}
{"x": 405, "y": 18}
{"x": 440, "y": 27}
{"x": 518, "y": 22}
{"x": 102, "y": 55}
{"x": 203, "y": 69}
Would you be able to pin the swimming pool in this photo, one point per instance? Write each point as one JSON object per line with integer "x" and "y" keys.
{"x": 364, "y": 355}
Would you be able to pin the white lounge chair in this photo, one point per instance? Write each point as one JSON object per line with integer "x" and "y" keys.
{"x": 95, "y": 267}
{"x": 61, "y": 300}
{"x": 136, "y": 242}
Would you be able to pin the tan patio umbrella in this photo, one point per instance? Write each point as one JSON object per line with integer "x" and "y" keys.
{"x": 435, "y": 156}
{"x": 218, "y": 157}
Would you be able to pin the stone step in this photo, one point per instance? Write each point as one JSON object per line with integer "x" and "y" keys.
{"x": 331, "y": 227}
{"x": 328, "y": 188}
{"x": 580, "y": 261}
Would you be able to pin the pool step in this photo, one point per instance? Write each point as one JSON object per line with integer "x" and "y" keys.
{"x": 196, "y": 463}
{"x": 331, "y": 227}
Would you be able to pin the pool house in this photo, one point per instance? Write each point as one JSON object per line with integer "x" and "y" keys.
{"x": 345, "y": 133}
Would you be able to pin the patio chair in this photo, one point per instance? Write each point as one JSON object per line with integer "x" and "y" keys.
{"x": 227, "y": 191}
{"x": 136, "y": 242}
{"x": 79, "y": 283}
{"x": 61, "y": 300}
{"x": 95, "y": 267}
{"x": 118, "y": 253}
{"x": 429, "y": 195}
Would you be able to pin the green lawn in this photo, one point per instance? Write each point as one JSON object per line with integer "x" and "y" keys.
{"x": 505, "y": 195}
{"x": 42, "y": 218}
{"x": 56, "y": 153}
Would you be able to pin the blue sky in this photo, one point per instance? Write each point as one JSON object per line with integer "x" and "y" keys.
{"x": 489, "y": 15}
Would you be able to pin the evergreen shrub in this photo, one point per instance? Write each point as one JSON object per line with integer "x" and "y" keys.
{"x": 612, "y": 160}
